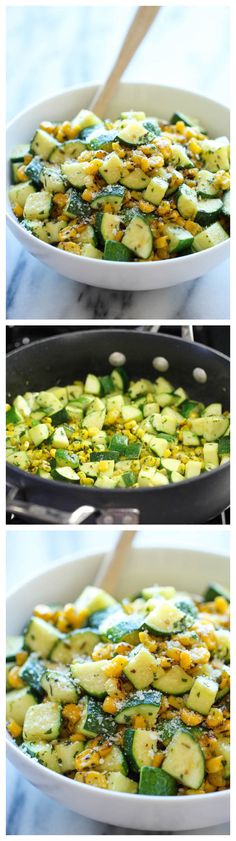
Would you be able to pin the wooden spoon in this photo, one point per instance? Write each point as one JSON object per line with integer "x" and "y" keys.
{"x": 111, "y": 566}
{"x": 139, "y": 27}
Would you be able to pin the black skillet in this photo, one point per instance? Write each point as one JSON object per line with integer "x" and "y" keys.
{"x": 69, "y": 356}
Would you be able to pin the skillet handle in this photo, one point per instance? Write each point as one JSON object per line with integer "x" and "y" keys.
{"x": 45, "y": 514}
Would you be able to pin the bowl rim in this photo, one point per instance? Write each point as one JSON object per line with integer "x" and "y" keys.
{"x": 164, "y": 488}
{"x": 73, "y": 559}
{"x": 12, "y": 221}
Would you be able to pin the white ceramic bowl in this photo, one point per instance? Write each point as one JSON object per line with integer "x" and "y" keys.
{"x": 187, "y": 570}
{"x": 156, "y": 100}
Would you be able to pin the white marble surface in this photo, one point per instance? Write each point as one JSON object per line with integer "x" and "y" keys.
{"x": 64, "y": 51}
{"x": 28, "y": 811}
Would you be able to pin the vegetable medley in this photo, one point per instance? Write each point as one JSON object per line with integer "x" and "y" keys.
{"x": 137, "y": 188}
{"x": 111, "y": 432}
{"x": 130, "y": 696}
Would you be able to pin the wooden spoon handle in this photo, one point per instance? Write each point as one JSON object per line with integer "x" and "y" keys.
{"x": 137, "y": 31}
{"x": 111, "y": 566}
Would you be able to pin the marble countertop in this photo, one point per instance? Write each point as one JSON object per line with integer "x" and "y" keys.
{"x": 28, "y": 811}
{"x": 37, "y": 292}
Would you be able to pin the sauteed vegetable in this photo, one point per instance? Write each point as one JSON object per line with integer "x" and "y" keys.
{"x": 111, "y": 432}
{"x": 137, "y": 188}
{"x": 131, "y": 696}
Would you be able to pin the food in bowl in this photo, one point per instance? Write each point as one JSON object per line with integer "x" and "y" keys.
{"x": 129, "y": 696}
{"x": 134, "y": 189}
{"x": 111, "y": 432}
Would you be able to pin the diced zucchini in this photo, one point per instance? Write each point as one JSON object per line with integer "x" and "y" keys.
{"x": 202, "y": 695}
{"x": 187, "y": 202}
{"x": 107, "y": 226}
{"x": 208, "y": 211}
{"x": 140, "y": 747}
{"x": 33, "y": 170}
{"x": 166, "y": 619}
{"x": 65, "y": 474}
{"x": 78, "y": 643}
{"x": 45, "y": 754}
{"x": 20, "y": 459}
{"x": 122, "y": 627}
{"x": 66, "y": 753}
{"x": 19, "y": 193}
{"x": 117, "y": 252}
{"x": 215, "y": 427}
{"x": 213, "y": 590}
{"x": 140, "y": 667}
{"x": 42, "y": 722}
{"x": 224, "y": 748}
{"x": 38, "y": 206}
{"x": 18, "y": 702}
{"x": 179, "y": 239}
{"x": 213, "y": 409}
{"x": 111, "y": 168}
{"x": 211, "y": 236}
{"x": 180, "y": 158}
{"x": 136, "y": 179}
{"x": 66, "y": 150}
{"x": 93, "y": 721}
{"x": 215, "y": 154}
{"x": 31, "y": 673}
{"x": 156, "y": 782}
{"x": 14, "y": 644}
{"x": 205, "y": 184}
{"x": 43, "y": 144}
{"x": 118, "y": 782}
{"x": 173, "y": 681}
{"x": 184, "y": 760}
{"x": 85, "y": 119}
{"x": 193, "y": 468}
{"x": 210, "y": 455}
{"x": 19, "y": 152}
{"x": 144, "y": 702}
{"x": 156, "y": 190}
{"x": 226, "y": 204}
{"x": 130, "y": 412}
{"x": 40, "y": 636}
{"x": 52, "y": 180}
{"x": 59, "y": 687}
{"x": 133, "y": 133}
{"x": 76, "y": 173}
{"x": 113, "y": 195}
{"x": 138, "y": 237}
{"x": 91, "y": 677}
{"x": 38, "y": 434}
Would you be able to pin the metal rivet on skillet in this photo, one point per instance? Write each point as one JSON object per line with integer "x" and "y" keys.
{"x": 160, "y": 363}
{"x": 199, "y": 375}
{"x": 117, "y": 358}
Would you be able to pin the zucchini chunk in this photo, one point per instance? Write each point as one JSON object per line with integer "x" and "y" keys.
{"x": 156, "y": 782}
{"x": 167, "y": 619}
{"x": 141, "y": 667}
{"x": 156, "y": 190}
{"x": 118, "y": 782}
{"x": 185, "y": 760}
{"x": 214, "y": 590}
{"x": 18, "y": 701}
{"x": 173, "y": 681}
{"x": 31, "y": 673}
{"x": 113, "y": 195}
{"x": 91, "y": 677}
{"x": 59, "y": 687}
{"x": 93, "y": 721}
{"x": 40, "y": 636}
{"x": 211, "y": 236}
{"x": 14, "y": 644}
{"x": 42, "y": 722}
{"x": 38, "y": 205}
{"x": 138, "y": 237}
{"x": 202, "y": 695}
{"x": 77, "y": 643}
{"x": 179, "y": 239}
{"x": 146, "y": 703}
{"x": 43, "y": 144}
{"x": 45, "y": 754}
{"x": 140, "y": 747}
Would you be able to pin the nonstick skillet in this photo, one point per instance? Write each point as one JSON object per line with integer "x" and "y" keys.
{"x": 63, "y": 358}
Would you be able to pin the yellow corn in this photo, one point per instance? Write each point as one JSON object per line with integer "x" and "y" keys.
{"x": 47, "y": 126}
{"x": 43, "y": 611}
{"x": 221, "y": 604}
{"x": 157, "y": 760}
{"x": 109, "y": 705}
{"x": 18, "y": 210}
{"x": 214, "y": 718}
{"x": 14, "y": 729}
{"x": 14, "y": 679}
{"x": 190, "y": 718}
{"x": 72, "y": 712}
{"x": 116, "y": 666}
{"x": 21, "y": 657}
{"x": 185, "y": 660}
{"x": 161, "y": 242}
{"x": 139, "y": 722}
{"x": 111, "y": 416}
{"x": 94, "y": 778}
{"x": 147, "y": 641}
{"x": 87, "y": 195}
{"x": 167, "y": 453}
{"x": 146, "y": 207}
{"x": 21, "y": 173}
{"x": 194, "y": 146}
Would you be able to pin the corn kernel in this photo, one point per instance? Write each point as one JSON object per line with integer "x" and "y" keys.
{"x": 94, "y": 778}
{"x": 14, "y": 729}
{"x": 190, "y": 718}
{"x": 139, "y": 722}
{"x": 185, "y": 660}
{"x": 18, "y": 210}
{"x": 21, "y": 657}
{"x": 109, "y": 705}
{"x": 157, "y": 760}
{"x": 221, "y": 604}
{"x": 116, "y": 667}
{"x": 214, "y": 718}
{"x": 14, "y": 679}
{"x": 87, "y": 195}
{"x": 72, "y": 712}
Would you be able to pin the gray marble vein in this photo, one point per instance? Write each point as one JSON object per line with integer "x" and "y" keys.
{"x": 78, "y": 47}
